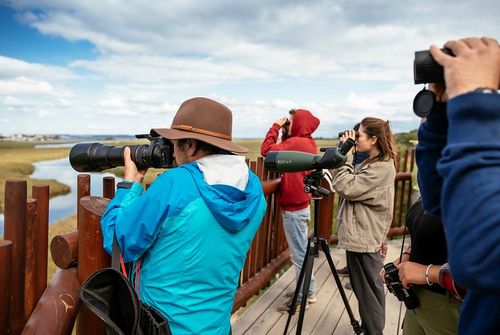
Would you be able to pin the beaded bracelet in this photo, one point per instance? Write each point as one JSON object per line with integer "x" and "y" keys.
{"x": 427, "y": 275}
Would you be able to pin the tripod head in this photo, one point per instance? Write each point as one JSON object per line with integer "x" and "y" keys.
{"x": 312, "y": 183}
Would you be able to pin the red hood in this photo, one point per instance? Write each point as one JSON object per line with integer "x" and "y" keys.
{"x": 304, "y": 123}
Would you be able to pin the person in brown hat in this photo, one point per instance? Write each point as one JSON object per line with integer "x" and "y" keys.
{"x": 192, "y": 228}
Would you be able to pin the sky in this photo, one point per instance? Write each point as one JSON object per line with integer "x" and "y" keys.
{"x": 124, "y": 67}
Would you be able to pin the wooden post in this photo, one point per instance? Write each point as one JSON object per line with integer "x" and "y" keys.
{"x": 5, "y": 265}
{"x": 41, "y": 194}
{"x": 83, "y": 190}
{"x": 15, "y": 231}
{"x": 91, "y": 255}
{"x": 326, "y": 216}
{"x": 64, "y": 249}
{"x": 30, "y": 259}
{"x": 57, "y": 308}
{"x": 108, "y": 187}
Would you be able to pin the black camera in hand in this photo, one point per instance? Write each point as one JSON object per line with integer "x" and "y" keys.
{"x": 426, "y": 70}
{"x": 95, "y": 157}
{"x": 395, "y": 286}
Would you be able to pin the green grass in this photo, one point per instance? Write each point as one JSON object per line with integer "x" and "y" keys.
{"x": 17, "y": 163}
{"x": 60, "y": 227}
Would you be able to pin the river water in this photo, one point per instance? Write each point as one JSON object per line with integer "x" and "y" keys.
{"x": 64, "y": 205}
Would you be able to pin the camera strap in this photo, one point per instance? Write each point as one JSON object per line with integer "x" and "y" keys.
{"x": 402, "y": 244}
{"x": 118, "y": 264}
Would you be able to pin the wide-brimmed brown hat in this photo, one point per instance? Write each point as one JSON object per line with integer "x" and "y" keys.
{"x": 205, "y": 120}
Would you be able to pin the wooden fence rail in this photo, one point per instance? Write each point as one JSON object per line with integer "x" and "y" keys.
{"x": 29, "y": 305}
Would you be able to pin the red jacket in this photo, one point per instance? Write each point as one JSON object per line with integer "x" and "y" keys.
{"x": 291, "y": 195}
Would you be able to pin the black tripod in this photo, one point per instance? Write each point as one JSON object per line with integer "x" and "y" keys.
{"x": 312, "y": 185}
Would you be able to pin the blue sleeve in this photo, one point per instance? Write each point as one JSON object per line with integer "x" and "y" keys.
{"x": 470, "y": 167}
{"x": 137, "y": 217}
{"x": 431, "y": 141}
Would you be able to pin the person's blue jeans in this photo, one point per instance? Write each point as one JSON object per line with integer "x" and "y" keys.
{"x": 295, "y": 224}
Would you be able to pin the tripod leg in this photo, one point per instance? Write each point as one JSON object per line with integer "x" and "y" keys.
{"x": 304, "y": 277}
{"x": 305, "y": 289}
{"x": 355, "y": 324}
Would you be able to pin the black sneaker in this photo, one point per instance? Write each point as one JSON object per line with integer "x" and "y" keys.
{"x": 344, "y": 272}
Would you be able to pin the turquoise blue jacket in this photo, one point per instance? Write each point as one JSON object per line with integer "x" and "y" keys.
{"x": 193, "y": 239}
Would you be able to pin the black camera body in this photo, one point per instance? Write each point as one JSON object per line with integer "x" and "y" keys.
{"x": 395, "y": 286}
{"x": 426, "y": 69}
{"x": 95, "y": 157}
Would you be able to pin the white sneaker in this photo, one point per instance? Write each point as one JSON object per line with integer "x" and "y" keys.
{"x": 285, "y": 307}
{"x": 311, "y": 297}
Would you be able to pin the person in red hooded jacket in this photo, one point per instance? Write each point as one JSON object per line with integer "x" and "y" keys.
{"x": 294, "y": 202}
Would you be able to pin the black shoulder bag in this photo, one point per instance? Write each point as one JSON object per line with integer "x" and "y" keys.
{"x": 111, "y": 297}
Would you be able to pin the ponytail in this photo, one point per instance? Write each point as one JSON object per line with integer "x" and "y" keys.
{"x": 386, "y": 143}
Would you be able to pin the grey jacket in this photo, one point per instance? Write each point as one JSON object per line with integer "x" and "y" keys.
{"x": 367, "y": 203}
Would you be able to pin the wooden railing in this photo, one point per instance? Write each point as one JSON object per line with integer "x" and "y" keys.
{"x": 29, "y": 305}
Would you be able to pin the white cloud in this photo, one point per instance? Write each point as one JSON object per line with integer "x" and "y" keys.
{"x": 12, "y": 101}
{"x": 341, "y": 59}
{"x": 12, "y": 68}
{"x": 112, "y": 102}
{"x": 46, "y": 114}
{"x": 23, "y": 85}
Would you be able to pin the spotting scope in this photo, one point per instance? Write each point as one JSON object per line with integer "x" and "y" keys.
{"x": 296, "y": 161}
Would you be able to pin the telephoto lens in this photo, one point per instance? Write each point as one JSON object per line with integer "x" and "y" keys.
{"x": 95, "y": 157}
{"x": 425, "y": 68}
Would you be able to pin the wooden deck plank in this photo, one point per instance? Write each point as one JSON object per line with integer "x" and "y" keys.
{"x": 329, "y": 318}
{"x": 344, "y": 323}
{"x": 321, "y": 275}
{"x": 326, "y": 316}
{"x": 325, "y": 294}
{"x": 393, "y": 308}
{"x": 259, "y": 315}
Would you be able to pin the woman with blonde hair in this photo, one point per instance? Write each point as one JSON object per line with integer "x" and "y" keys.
{"x": 365, "y": 215}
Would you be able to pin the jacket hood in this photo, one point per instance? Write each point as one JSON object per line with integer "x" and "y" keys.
{"x": 304, "y": 123}
{"x": 233, "y": 208}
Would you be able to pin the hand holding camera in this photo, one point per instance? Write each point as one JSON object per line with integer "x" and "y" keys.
{"x": 132, "y": 173}
{"x": 476, "y": 64}
{"x": 413, "y": 273}
{"x": 395, "y": 286}
{"x": 464, "y": 66}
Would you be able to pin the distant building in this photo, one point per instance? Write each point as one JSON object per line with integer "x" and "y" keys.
{"x": 29, "y": 138}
